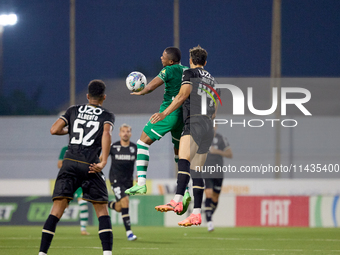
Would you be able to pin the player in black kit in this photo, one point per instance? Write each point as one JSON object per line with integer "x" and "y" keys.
{"x": 123, "y": 156}
{"x": 198, "y": 132}
{"x": 219, "y": 149}
{"x": 89, "y": 127}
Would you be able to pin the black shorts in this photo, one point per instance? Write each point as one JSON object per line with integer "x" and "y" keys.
{"x": 119, "y": 186}
{"x": 74, "y": 174}
{"x": 215, "y": 184}
{"x": 201, "y": 129}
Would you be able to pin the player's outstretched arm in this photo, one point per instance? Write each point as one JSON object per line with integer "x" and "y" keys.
{"x": 58, "y": 128}
{"x": 182, "y": 95}
{"x": 106, "y": 143}
{"x": 154, "y": 84}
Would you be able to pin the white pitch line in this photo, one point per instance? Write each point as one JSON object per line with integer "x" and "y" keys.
{"x": 131, "y": 248}
{"x": 19, "y": 238}
{"x": 264, "y": 239}
{"x": 259, "y": 250}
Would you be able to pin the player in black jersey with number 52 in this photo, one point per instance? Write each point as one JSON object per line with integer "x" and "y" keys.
{"x": 123, "y": 157}
{"x": 198, "y": 96}
{"x": 89, "y": 127}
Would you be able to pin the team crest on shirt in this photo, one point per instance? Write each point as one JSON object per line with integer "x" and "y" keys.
{"x": 117, "y": 147}
{"x": 132, "y": 149}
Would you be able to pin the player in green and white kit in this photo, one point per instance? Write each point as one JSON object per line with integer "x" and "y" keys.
{"x": 171, "y": 77}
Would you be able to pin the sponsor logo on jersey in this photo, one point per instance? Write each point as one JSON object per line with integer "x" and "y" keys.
{"x": 124, "y": 157}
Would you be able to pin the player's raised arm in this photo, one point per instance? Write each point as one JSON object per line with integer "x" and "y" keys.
{"x": 154, "y": 84}
{"x": 59, "y": 128}
{"x": 182, "y": 95}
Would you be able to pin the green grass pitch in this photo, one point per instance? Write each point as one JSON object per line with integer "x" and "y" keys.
{"x": 19, "y": 240}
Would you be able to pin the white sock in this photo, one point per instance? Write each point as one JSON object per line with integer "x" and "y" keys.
{"x": 128, "y": 232}
{"x": 42, "y": 253}
{"x": 178, "y": 198}
{"x": 107, "y": 252}
{"x": 142, "y": 161}
{"x": 196, "y": 211}
{"x": 141, "y": 181}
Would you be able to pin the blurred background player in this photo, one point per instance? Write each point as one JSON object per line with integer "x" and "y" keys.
{"x": 123, "y": 156}
{"x": 171, "y": 77}
{"x": 219, "y": 149}
{"x": 84, "y": 210}
{"x": 197, "y": 133}
{"x": 89, "y": 127}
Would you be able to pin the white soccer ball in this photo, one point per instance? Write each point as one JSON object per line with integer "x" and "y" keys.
{"x": 135, "y": 81}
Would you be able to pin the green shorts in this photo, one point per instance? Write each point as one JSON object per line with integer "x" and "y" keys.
{"x": 78, "y": 193}
{"x": 171, "y": 123}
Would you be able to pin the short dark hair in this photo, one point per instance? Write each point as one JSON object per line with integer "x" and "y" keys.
{"x": 174, "y": 54}
{"x": 96, "y": 89}
{"x": 125, "y": 125}
{"x": 198, "y": 55}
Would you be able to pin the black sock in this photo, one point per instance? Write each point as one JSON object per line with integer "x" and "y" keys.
{"x": 105, "y": 232}
{"x": 183, "y": 176}
{"x": 208, "y": 209}
{"x": 198, "y": 190}
{"x": 126, "y": 218}
{"x": 213, "y": 206}
{"x": 112, "y": 205}
{"x": 48, "y": 233}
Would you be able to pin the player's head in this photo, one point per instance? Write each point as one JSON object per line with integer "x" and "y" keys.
{"x": 125, "y": 132}
{"x": 198, "y": 56}
{"x": 171, "y": 56}
{"x": 96, "y": 90}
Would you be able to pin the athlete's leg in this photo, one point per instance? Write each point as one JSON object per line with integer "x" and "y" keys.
{"x": 183, "y": 175}
{"x": 197, "y": 180}
{"x": 114, "y": 205}
{"x": 214, "y": 200}
{"x": 84, "y": 215}
{"x": 176, "y": 150}
{"x": 151, "y": 133}
{"x": 215, "y": 196}
{"x": 58, "y": 208}
{"x": 142, "y": 161}
{"x": 208, "y": 210}
{"x": 187, "y": 151}
{"x": 186, "y": 197}
{"x": 208, "y": 206}
{"x": 118, "y": 190}
{"x": 84, "y": 211}
{"x": 198, "y": 190}
{"x": 125, "y": 213}
{"x": 105, "y": 228}
{"x": 126, "y": 218}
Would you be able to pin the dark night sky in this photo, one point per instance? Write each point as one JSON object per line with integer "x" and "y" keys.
{"x": 114, "y": 38}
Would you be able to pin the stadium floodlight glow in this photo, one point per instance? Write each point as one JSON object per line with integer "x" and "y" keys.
{"x": 8, "y": 19}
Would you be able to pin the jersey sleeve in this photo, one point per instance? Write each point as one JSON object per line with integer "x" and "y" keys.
{"x": 110, "y": 119}
{"x": 66, "y": 116}
{"x": 187, "y": 76}
{"x": 164, "y": 74}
